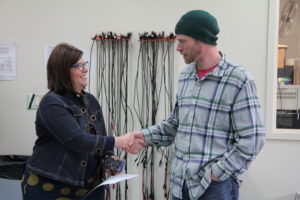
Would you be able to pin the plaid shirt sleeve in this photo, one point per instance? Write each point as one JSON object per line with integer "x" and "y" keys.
{"x": 163, "y": 133}
{"x": 249, "y": 133}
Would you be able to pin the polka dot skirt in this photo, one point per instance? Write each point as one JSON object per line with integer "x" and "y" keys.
{"x": 37, "y": 187}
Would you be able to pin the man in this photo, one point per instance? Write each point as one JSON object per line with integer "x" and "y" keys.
{"x": 216, "y": 124}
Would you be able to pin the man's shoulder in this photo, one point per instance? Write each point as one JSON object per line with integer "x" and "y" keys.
{"x": 237, "y": 71}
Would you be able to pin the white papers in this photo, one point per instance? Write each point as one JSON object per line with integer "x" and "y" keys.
{"x": 112, "y": 180}
{"x": 7, "y": 60}
{"x": 118, "y": 178}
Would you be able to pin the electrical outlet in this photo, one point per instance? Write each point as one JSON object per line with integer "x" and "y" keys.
{"x": 33, "y": 101}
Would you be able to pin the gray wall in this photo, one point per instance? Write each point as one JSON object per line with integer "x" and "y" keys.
{"x": 10, "y": 189}
{"x": 32, "y": 24}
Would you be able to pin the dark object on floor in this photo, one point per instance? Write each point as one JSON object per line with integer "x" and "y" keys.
{"x": 12, "y": 166}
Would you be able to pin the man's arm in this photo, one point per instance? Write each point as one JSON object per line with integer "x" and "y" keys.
{"x": 249, "y": 129}
{"x": 161, "y": 134}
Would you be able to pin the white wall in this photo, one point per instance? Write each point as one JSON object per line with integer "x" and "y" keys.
{"x": 32, "y": 24}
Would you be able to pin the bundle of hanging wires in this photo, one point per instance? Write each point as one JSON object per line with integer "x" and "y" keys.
{"x": 153, "y": 82}
{"x": 112, "y": 53}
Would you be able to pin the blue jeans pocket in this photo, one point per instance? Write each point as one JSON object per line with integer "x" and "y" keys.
{"x": 222, "y": 190}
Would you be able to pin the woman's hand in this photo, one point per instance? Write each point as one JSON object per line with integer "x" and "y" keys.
{"x": 132, "y": 142}
{"x": 112, "y": 172}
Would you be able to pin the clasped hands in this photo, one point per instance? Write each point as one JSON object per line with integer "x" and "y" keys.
{"x": 131, "y": 142}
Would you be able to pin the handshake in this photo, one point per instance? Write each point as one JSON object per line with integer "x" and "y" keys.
{"x": 131, "y": 142}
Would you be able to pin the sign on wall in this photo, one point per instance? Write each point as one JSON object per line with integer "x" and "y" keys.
{"x": 7, "y": 60}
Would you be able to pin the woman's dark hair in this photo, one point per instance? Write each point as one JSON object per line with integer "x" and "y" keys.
{"x": 61, "y": 59}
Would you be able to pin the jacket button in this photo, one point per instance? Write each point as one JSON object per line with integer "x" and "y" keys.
{"x": 83, "y": 110}
{"x": 83, "y": 163}
{"x": 93, "y": 118}
{"x": 98, "y": 150}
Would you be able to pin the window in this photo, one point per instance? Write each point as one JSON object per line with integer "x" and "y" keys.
{"x": 283, "y": 84}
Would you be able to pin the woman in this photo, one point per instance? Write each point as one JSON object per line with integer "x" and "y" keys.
{"x": 71, "y": 145}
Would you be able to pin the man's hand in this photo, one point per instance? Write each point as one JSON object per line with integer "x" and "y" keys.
{"x": 138, "y": 144}
{"x": 132, "y": 142}
{"x": 214, "y": 178}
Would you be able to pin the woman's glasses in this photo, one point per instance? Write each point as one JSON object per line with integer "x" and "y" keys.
{"x": 81, "y": 66}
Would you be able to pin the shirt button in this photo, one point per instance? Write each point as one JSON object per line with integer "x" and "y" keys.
{"x": 83, "y": 163}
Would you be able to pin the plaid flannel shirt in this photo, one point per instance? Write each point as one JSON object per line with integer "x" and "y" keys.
{"x": 216, "y": 125}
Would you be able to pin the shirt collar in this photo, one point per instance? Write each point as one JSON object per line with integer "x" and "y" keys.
{"x": 219, "y": 69}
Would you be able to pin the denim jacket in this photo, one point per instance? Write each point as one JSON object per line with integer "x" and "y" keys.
{"x": 71, "y": 133}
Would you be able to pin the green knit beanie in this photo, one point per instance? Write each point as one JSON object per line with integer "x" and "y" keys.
{"x": 199, "y": 25}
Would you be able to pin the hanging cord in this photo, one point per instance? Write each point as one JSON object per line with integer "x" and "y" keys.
{"x": 156, "y": 57}
{"x": 154, "y": 50}
{"x": 89, "y": 89}
{"x": 112, "y": 88}
{"x": 168, "y": 82}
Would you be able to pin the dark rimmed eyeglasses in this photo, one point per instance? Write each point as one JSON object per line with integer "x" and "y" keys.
{"x": 81, "y": 66}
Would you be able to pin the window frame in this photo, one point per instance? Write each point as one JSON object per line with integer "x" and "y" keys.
{"x": 271, "y": 79}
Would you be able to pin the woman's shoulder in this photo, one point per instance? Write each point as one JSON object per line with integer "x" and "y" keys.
{"x": 90, "y": 96}
{"x": 52, "y": 98}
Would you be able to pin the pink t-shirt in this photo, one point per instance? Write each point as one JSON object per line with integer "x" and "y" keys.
{"x": 202, "y": 72}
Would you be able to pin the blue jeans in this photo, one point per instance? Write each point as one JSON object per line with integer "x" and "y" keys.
{"x": 225, "y": 190}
